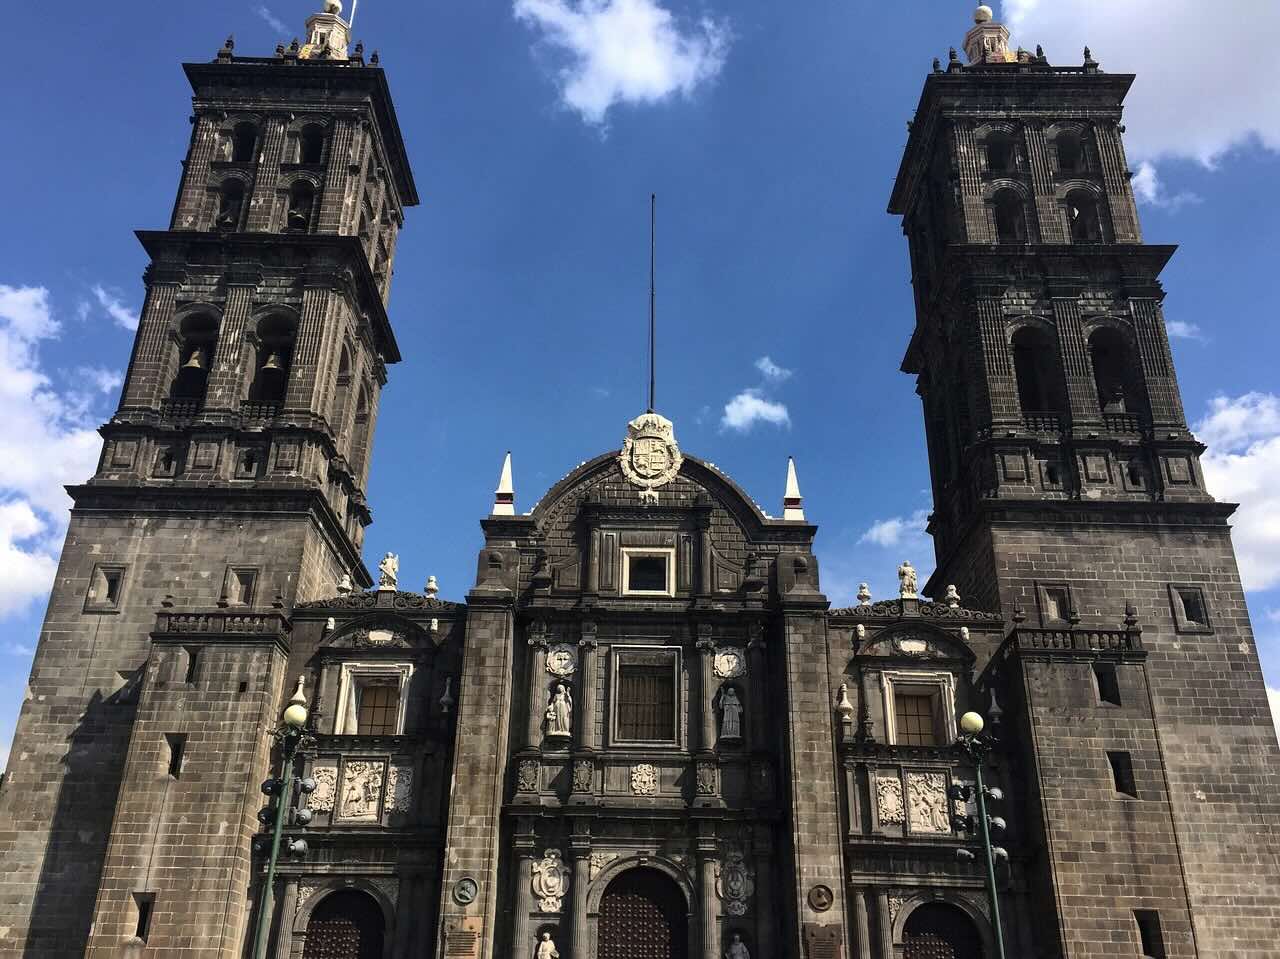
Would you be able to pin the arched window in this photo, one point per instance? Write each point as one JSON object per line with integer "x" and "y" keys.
{"x": 311, "y": 143}
{"x": 345, "y": 925}
{"x": 1070, "y": 152}
{"x": 197, "y": 342}
{"x": 275, "y": 354}
{"x": 1035, "y": 366}
{"x": 939, "y": 930}
{"x": 302, "y": 201}
{"x": 1002, "y": 155}
{"x": 1082, "y": 217}
{"x": 643, "y": 913}
{"x": 1115, "y": 372}
{"x": 243, "y": 141}
{"x": 1011, "y": 218}
{"x": 230, "y": 206}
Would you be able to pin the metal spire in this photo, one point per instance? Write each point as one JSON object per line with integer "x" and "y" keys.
{"x": 653, "y": 295}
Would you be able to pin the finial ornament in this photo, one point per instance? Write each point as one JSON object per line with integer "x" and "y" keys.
{"x": 432, "y": 588}
{"x": 983, "y": 14}
{"x": 864, "y": 594}
{"x": 792, "y": 502}
{"x": 504, "y": 497}
{"x": 333, "y": 6}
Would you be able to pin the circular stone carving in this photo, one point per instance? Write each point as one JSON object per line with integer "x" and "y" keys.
{"x": 562, "y": 660}
{"x": 820, "y": 898}
{"x": 729, "y": 663}
{"x": 465, "y": 891}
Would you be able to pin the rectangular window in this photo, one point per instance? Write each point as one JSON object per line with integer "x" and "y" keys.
{"x": 1149, "y": 933}
{"x": 646, "y": 702}
{"x": 648, "y": 572}
{"x": 378, "y": 711}
{"x": 106, "y": 586}
{"x": 177, "y": 743}
{"x": 1056, "y": 604}
{"x": 1190, "y": 610}
{"x": 240, "y": 586}
{"x": 916, "y": 719}
{"x": 1193, "y": 606}
{"x": 193, "y": 664}
{"x": 144, "y": 905}
{"x": 1108, "y": 683}
{"x": 1122, "y": 773}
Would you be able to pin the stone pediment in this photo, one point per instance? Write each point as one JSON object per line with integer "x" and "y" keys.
{"x": 916, "y": 641}
{"x": 378, "y": 632}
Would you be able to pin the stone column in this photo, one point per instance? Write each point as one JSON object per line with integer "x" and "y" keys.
{"x": 885, "y": 923}
{"x": 588, "y": 733}
{"x": 1115, "y": 176}
{"x": 996, "y": 383}
{"x": 227, "y": 377}
{"x": 266, "y": 182}
{"x": 525, "y": 844}
{"x": 537, "y": 688}
{"x": 1082, "y": 394}
{"x": 580, "y": 850}
{"x": 195, "y": 174}
{"x": 707, "y": 888}
{"x": 861, "y": 923}
{"x": 766, "y": 914}
{"x": 305, "y": 391}
{"x": 288, "y": 908}
{"x": 977, "y": 226}
{"x": 1157, "y": 360}
{"x": 757, "y": 666}
{"x": 1052, "y": 226}
{"x": 150, "y": 370}
{"x": 335, "y": 210}
{"x": 707, "y": 683}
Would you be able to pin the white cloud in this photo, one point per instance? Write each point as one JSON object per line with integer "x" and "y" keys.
{"x": 897, "y": 530}
{"x": 49, "y": 440}
{"x": 1273, "y": 697}
{"x": 1148, "y": 188}
{"x": 771, "y": 371}
{"x": 101, "y": 378}
{"x": 624, "y": 51}
{"x": 751, "y": 407}
{"x": 1181, "y": 105}
{"x": 1240, "y": 466}
{"x": 110, "y": 302}
{"x": 274, "y": 22}
{"x": 1182, "y": 330}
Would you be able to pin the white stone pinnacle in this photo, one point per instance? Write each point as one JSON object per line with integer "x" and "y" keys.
{"x": 504, "y": 497}
{"x": 792, "y": 502}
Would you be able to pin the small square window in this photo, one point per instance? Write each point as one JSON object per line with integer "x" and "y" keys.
{"x": 1190, "y": 611}
{"x": 648, "y": 572}
{"x": 106, "y": 586}
{"x": 239, "y": 588}
{"x": 916, "y": 718}
{"x": 1149, "y": 933}
{"x": 1055, "y": 603}
{"x": 377, "y": 708}
{"x": 1122, "y": 773}
{"x": 1107, "y": 682}
{"x": 371, "y": 699}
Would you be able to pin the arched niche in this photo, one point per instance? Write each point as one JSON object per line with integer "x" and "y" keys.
{"x": 334, "y": 892}
{"x": 931, "y": 911}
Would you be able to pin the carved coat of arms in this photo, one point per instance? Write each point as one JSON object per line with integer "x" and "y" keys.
{"x": 550, "y": 880}
{"x": 650, "y": 457}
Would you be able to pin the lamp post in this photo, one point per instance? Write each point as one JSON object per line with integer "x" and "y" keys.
{"x": 976, "y": 746}
{"x": 289, "y": 734}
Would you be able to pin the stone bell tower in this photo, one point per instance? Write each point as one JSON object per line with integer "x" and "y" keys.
{"x": 1068, "y": 494}
{"x": 231, "y": 485}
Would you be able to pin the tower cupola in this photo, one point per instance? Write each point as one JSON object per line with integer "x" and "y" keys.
{"x": 988, "y": 41}
{"x": 328, "y": 35}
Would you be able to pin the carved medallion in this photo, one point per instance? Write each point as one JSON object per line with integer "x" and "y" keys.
{"x": 729, "y": 663}
{"x": 465, "y": 891}
{"x": 820, "y": 898}
{"x": 735, "y": 883}
{"x": 650, "y": 457}
{"x": 562, "y": 660}
{"x": 889, "y": 800}
{"x": 644, "y": 779}
{"x": 927, "y": 803}
{"x": 550, "y": 880}
{"x": 326, "y": 778}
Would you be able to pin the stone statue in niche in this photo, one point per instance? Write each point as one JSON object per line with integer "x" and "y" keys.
{"x": 547, "y": 948}
{"x": 730, "y": 714}
{"x": 907, "y": 580}
{"x": 737, "y": 949}
{"x": 560, "y": 712}
{"x": 389, "y": 571}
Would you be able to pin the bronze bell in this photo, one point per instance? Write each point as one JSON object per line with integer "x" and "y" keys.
{"x": 195, "y": 361}
{"x": 273, "y": 362}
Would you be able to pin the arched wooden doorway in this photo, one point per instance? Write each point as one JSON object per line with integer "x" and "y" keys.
{"x": 643, "y": 915}
{"x": 345, "y": 925}
{"x": 938, "y": 930}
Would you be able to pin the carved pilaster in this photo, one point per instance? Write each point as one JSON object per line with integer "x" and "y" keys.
{"x": 227, "y": 377}
{"x": 305, "y": 391}
{"x": 755, "y": 680}
{"x": 339, "y": 203}
{"x": 588, "y": 732}
{"x": 861, "y": 923}
{"x": 537, "y": 686}
{"x": 580, "y": 850}
{"x": 707, "y": 890}
{"x": 525, "y": 843}
{"x": 154, "y": 363}
{"x": 1052, "y": 226}
{"x": 968, "y": 159}
{"x": 765, "y": 917}
{"x": 195, "y": 174}
{"x": 1081, "y": 393}
{"x": 1115, "y": 177}
{"x": 884, "y": 922}
{"x": 266, "y": 183}
{"x": 997, "y": 366}
{"x": 706, "y": 670}
{"x": 1157, "y": 363}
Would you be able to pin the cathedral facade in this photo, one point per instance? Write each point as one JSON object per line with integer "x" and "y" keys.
{"x": 644, "y": 732}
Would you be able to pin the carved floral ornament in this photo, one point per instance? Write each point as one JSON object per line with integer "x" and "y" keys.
{"x": 644, "y": 779}
{"x": 650, "y": 457}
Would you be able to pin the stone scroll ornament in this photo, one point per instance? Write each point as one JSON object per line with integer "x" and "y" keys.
{"x": 550, "y": 880}
{"x": 889, "y": 800}
{"x": 650, "y": 457}
{"x": 326, "y": 778}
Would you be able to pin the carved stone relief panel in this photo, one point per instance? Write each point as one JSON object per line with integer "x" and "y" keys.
{"x": 360, "y": 799}
{"x": 527, "y": 776}
{"x": 644, "y": 779}
{"x": 400, "y": 788}
{"x": 889, "y": 800}
{"x": 326, "y": 777}
{"x": 927, "y": 803}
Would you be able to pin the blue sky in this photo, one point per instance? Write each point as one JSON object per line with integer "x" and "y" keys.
{"x": 537, "y": 129}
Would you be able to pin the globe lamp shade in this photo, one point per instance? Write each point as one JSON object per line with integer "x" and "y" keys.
{"x": 971, "y": 723}
{"x": 295, "y": 716}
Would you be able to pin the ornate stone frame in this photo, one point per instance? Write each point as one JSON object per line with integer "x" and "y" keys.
{"x": 937, "y": 683}
{"x": 954, "y": 898}
{"x": 666, "y": 552}
{"x": 659, "y": 863}
{"x": 328, "y": 884}
{"x": 351, "y": 673}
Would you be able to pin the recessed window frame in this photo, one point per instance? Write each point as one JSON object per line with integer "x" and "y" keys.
{"x": 622, "y": 656}
{"x": 1177, "y": 601}
{"x": 1106, "y": 683}
{"x": 939, "y": 685}
{"x": 352, "y": 677}
{"x": 246, "y": 597}
{"x": 1124, "y": 781}
{"x": 1150, "y": 933}
{"x": 99, "y": 596}
{"x": 1044, "y": 606}
{"x": 144, "y": 906}
{"x": 667, "y": 553}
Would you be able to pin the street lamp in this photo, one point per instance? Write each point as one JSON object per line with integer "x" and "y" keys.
{"x": 279, "y": 790}
{"x": 976, "y": 746}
